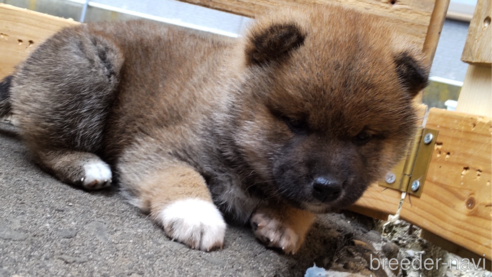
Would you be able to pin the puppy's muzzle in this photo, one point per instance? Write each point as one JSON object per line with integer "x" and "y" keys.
{"x": 326, "y": 188}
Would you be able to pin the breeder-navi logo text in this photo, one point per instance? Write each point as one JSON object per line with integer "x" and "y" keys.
{"x": 418, "y": 263}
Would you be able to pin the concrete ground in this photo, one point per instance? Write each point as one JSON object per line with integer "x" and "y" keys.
{"x": 48, "y": 228}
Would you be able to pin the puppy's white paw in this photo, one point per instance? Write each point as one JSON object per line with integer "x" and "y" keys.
{"x": 274, "y": 233}
{"x": 194, "y": 222}
{"x": 97, "y": 175}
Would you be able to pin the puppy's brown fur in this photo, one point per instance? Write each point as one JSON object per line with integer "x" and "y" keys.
{"x": 297, "y": 116}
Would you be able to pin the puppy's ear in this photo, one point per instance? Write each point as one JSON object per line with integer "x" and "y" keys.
{"x": 272, "y": 43}
{"x": 412, "y": 71}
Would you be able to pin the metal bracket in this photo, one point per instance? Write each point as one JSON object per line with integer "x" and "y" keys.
{"x": 410, "y": 173}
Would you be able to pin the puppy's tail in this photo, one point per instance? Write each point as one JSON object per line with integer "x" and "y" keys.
{"x": 5, "y": 96}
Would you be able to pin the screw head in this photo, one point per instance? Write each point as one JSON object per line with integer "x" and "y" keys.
{"x": 415, "y": 185}
{"x": 390, "y": 178}
{"x": 428, "y": 138}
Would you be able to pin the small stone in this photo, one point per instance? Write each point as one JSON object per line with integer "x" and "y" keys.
{"x": 390, "y": 250}
{"x": 373, "y": 236}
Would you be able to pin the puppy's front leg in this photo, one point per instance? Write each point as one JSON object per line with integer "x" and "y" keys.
{"x": 178, "y": 199}
{"x": 281, "y": 226}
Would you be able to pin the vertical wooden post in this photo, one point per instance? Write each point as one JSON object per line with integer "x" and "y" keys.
{"x": 434, "y": 30}
{"x": 432, "y": 36}
{"x": 476, "y": 93}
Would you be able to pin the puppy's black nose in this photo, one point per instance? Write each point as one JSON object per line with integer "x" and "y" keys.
{"x": 326, "y": 188}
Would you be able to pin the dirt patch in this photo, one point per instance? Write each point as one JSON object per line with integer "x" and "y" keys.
{"x": 399, "y": 251}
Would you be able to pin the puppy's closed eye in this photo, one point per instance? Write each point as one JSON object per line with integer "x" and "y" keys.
{"x": 363, "y": 138}
{"x": 296, "y": 125}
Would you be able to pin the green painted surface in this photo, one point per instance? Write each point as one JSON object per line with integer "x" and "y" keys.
{"x": 437, "y": 93}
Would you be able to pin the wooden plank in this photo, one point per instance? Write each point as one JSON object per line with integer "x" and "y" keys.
{"x": 476, "y": 93}
{"x": 478, "y": 48}
{"x": 456, "y": 202}
{"x": 410, "y": 17}
{"x": 435, "y": 27}
{"x": 453, "y": 248}
{"x": 475, "y": 96}
{"x": 21, "y": 31}
{"x": 377, "y": 202}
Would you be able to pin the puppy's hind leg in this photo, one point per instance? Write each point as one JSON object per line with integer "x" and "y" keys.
{"x": 62, "y": 96}
{"x": 77, "y": 168}
{"x": 178, "y": 200}
{"x": 63, "y": 93}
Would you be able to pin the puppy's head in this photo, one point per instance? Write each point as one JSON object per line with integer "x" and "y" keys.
{"x": 326, "y": 105}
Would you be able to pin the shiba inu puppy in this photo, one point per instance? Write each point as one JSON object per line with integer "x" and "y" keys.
{"x": 296, "y": 117}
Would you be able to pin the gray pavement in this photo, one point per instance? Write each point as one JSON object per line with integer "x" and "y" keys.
{"x": 48, "y": 228}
